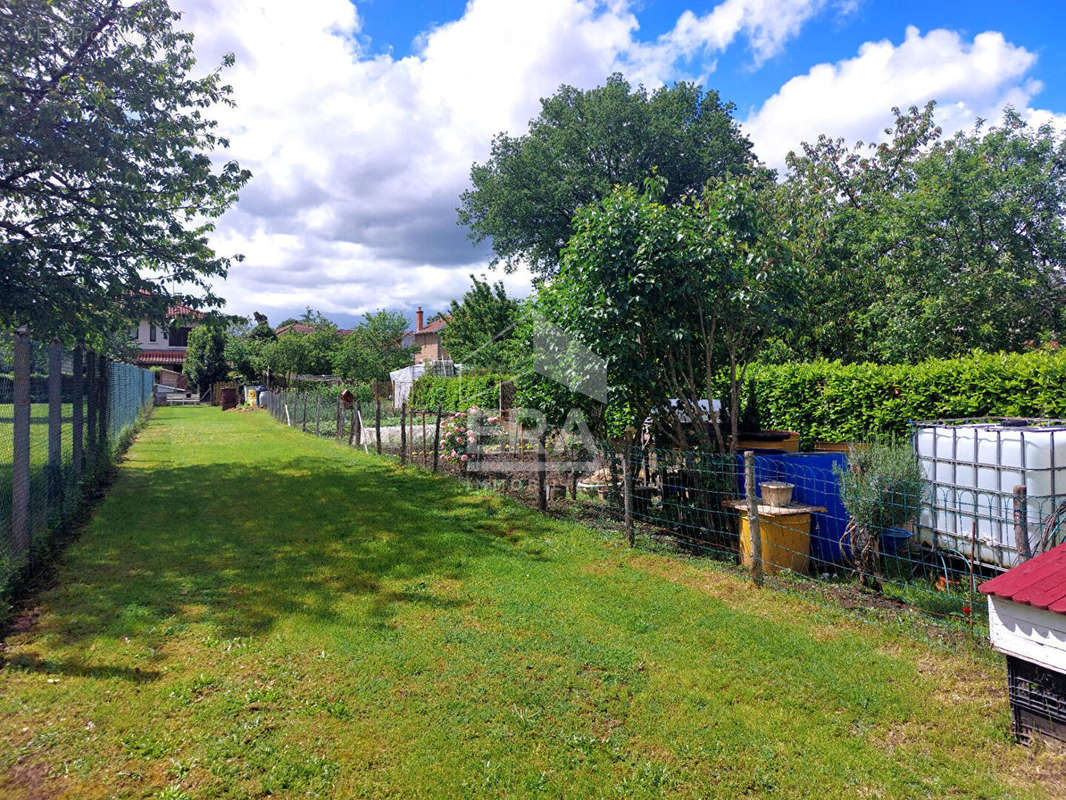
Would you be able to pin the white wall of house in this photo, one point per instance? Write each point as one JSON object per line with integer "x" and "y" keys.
{"x": 150, "y": 336}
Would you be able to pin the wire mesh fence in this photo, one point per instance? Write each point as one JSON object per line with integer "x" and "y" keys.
{"x": 64, "y": 412}
{"x": 798, "y": 517}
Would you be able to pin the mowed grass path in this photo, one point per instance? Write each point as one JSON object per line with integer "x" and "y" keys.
{"x": 253, "y": 612}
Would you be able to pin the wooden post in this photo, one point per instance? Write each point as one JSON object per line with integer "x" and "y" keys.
{"x": 351, "y": 426}
{"x": 55, "y": 422}
{"x": 77, "y": 435}
{"x": 303, "y": 425}
{"x": 358, "y": 423}
{"x": 411, "y": 433}
{"x": 318, "y": 410}
{"x": 425, "y": 454}
{"x": 1021, "y": 524}
{"x": 627, "y": 494}
{"x": 403, "y": 433}
{"x": 436, "y": 438}
{"x": 20, "y": 461}
{"x": 339, "y": 430}
{"x": 753, "y": 516}
{"x": 377, "y": 418}
{"x": 542, "y": 472}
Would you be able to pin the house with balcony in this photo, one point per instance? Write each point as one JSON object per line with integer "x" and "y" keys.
{"x": 165, "y": 345}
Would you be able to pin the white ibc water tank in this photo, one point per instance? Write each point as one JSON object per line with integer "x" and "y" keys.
{"x": 973, "y": 468}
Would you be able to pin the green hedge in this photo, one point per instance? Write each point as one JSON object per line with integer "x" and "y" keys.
{"x": 456, "y": 394}
{"x": 830, "y": 401}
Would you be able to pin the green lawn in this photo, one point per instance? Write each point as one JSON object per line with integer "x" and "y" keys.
{"x": 255, "y": 612}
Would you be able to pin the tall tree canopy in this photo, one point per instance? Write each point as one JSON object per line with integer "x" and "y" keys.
{"x": 107, "y": 190}
{"x": 480, "y": 331}
{"x": 923, "y": 246}
{"x": 582, "y": 144}
{"x": 373, "y": 349}
{"x": 205, "y": 358}
{"x": 670, "y": 295}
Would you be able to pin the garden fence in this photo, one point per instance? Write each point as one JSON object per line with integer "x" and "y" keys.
{"x": 63, "y": 414}
{"x": 700, "y": 501}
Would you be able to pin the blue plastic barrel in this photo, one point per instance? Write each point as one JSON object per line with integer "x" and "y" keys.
{"x": 818, "y": 485}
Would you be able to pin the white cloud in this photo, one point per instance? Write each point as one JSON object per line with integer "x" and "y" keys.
{"x": 852, "y": 98}
{"x": 359, "y": 159}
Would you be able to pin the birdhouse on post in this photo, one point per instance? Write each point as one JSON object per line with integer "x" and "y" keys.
{"x": 347, "y": 398}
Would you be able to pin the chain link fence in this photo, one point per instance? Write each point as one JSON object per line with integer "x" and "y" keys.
{"x": 64, "y": 415}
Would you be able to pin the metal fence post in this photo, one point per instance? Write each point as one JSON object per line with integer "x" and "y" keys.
{"x": 55, "y": 422}
{"x": 754, "y": 536}
{"x": 104, "y": 388}
{"x": 77, "y": 416}
{"x": 92, "y": 397}
{"x": 20, "y": 467}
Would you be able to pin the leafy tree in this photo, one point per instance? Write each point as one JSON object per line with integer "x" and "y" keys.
{"x": 925, "y": 247}
{"x": 671, "y": 296}
{"x": 106, "y": 183}
{"x": 288, "y": 356}
{"x": 480, "y": 332}
{"x": 244, "y": 354}
{"x": 205, "y": 358}
{"x": 373, "y": 349}
{"x": 584, "y": 143}
{"x": 262, "y": 330}
{"x": 322, "y": 345}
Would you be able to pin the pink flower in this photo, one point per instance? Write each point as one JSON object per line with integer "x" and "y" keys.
{"x": 453, "y": 454}
{"x": 464, "y": 456}
{"x": 470, "y": 438}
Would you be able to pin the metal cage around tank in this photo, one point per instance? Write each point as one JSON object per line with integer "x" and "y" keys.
{"x": 975, "y": 467}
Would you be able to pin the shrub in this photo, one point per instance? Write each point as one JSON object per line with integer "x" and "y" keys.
{"x": 881, "y": 488}
{"x": 827, "y": 400}
{"x": 431, "y": 392}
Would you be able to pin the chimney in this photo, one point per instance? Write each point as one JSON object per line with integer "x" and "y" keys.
{"x": 418, "y": 317}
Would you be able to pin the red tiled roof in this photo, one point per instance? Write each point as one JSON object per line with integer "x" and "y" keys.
{"x": 181, "y": 310}
{"x": 160, "y": 357}
{"x": 434, "y": 326}
{"x": 1040, "y": 582}
{"x": 296, "y": 327}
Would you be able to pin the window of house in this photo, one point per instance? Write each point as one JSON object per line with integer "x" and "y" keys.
{"x": 179, "y": 337}
{"x": 151, "y": 333}
{"x": 135, "y": 332}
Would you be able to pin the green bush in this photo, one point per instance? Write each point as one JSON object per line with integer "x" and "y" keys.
{"x": 431, "y": 392}
{"x": 830, "y": 401}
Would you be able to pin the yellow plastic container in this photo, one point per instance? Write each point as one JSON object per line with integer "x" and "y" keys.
{"x": 785, "y": 534}
{"x": 251, "y": 395}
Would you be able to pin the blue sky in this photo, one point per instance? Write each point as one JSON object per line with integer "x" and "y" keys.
{"x": 360, "y": 120}
{"x": 1039, "y": 25}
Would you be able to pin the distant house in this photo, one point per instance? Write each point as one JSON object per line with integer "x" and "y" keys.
{"x": 165, "y": 345}
{"x": 426, "y": 339}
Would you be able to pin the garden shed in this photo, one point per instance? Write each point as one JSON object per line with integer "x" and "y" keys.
{"x": 1027, "y": 623}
